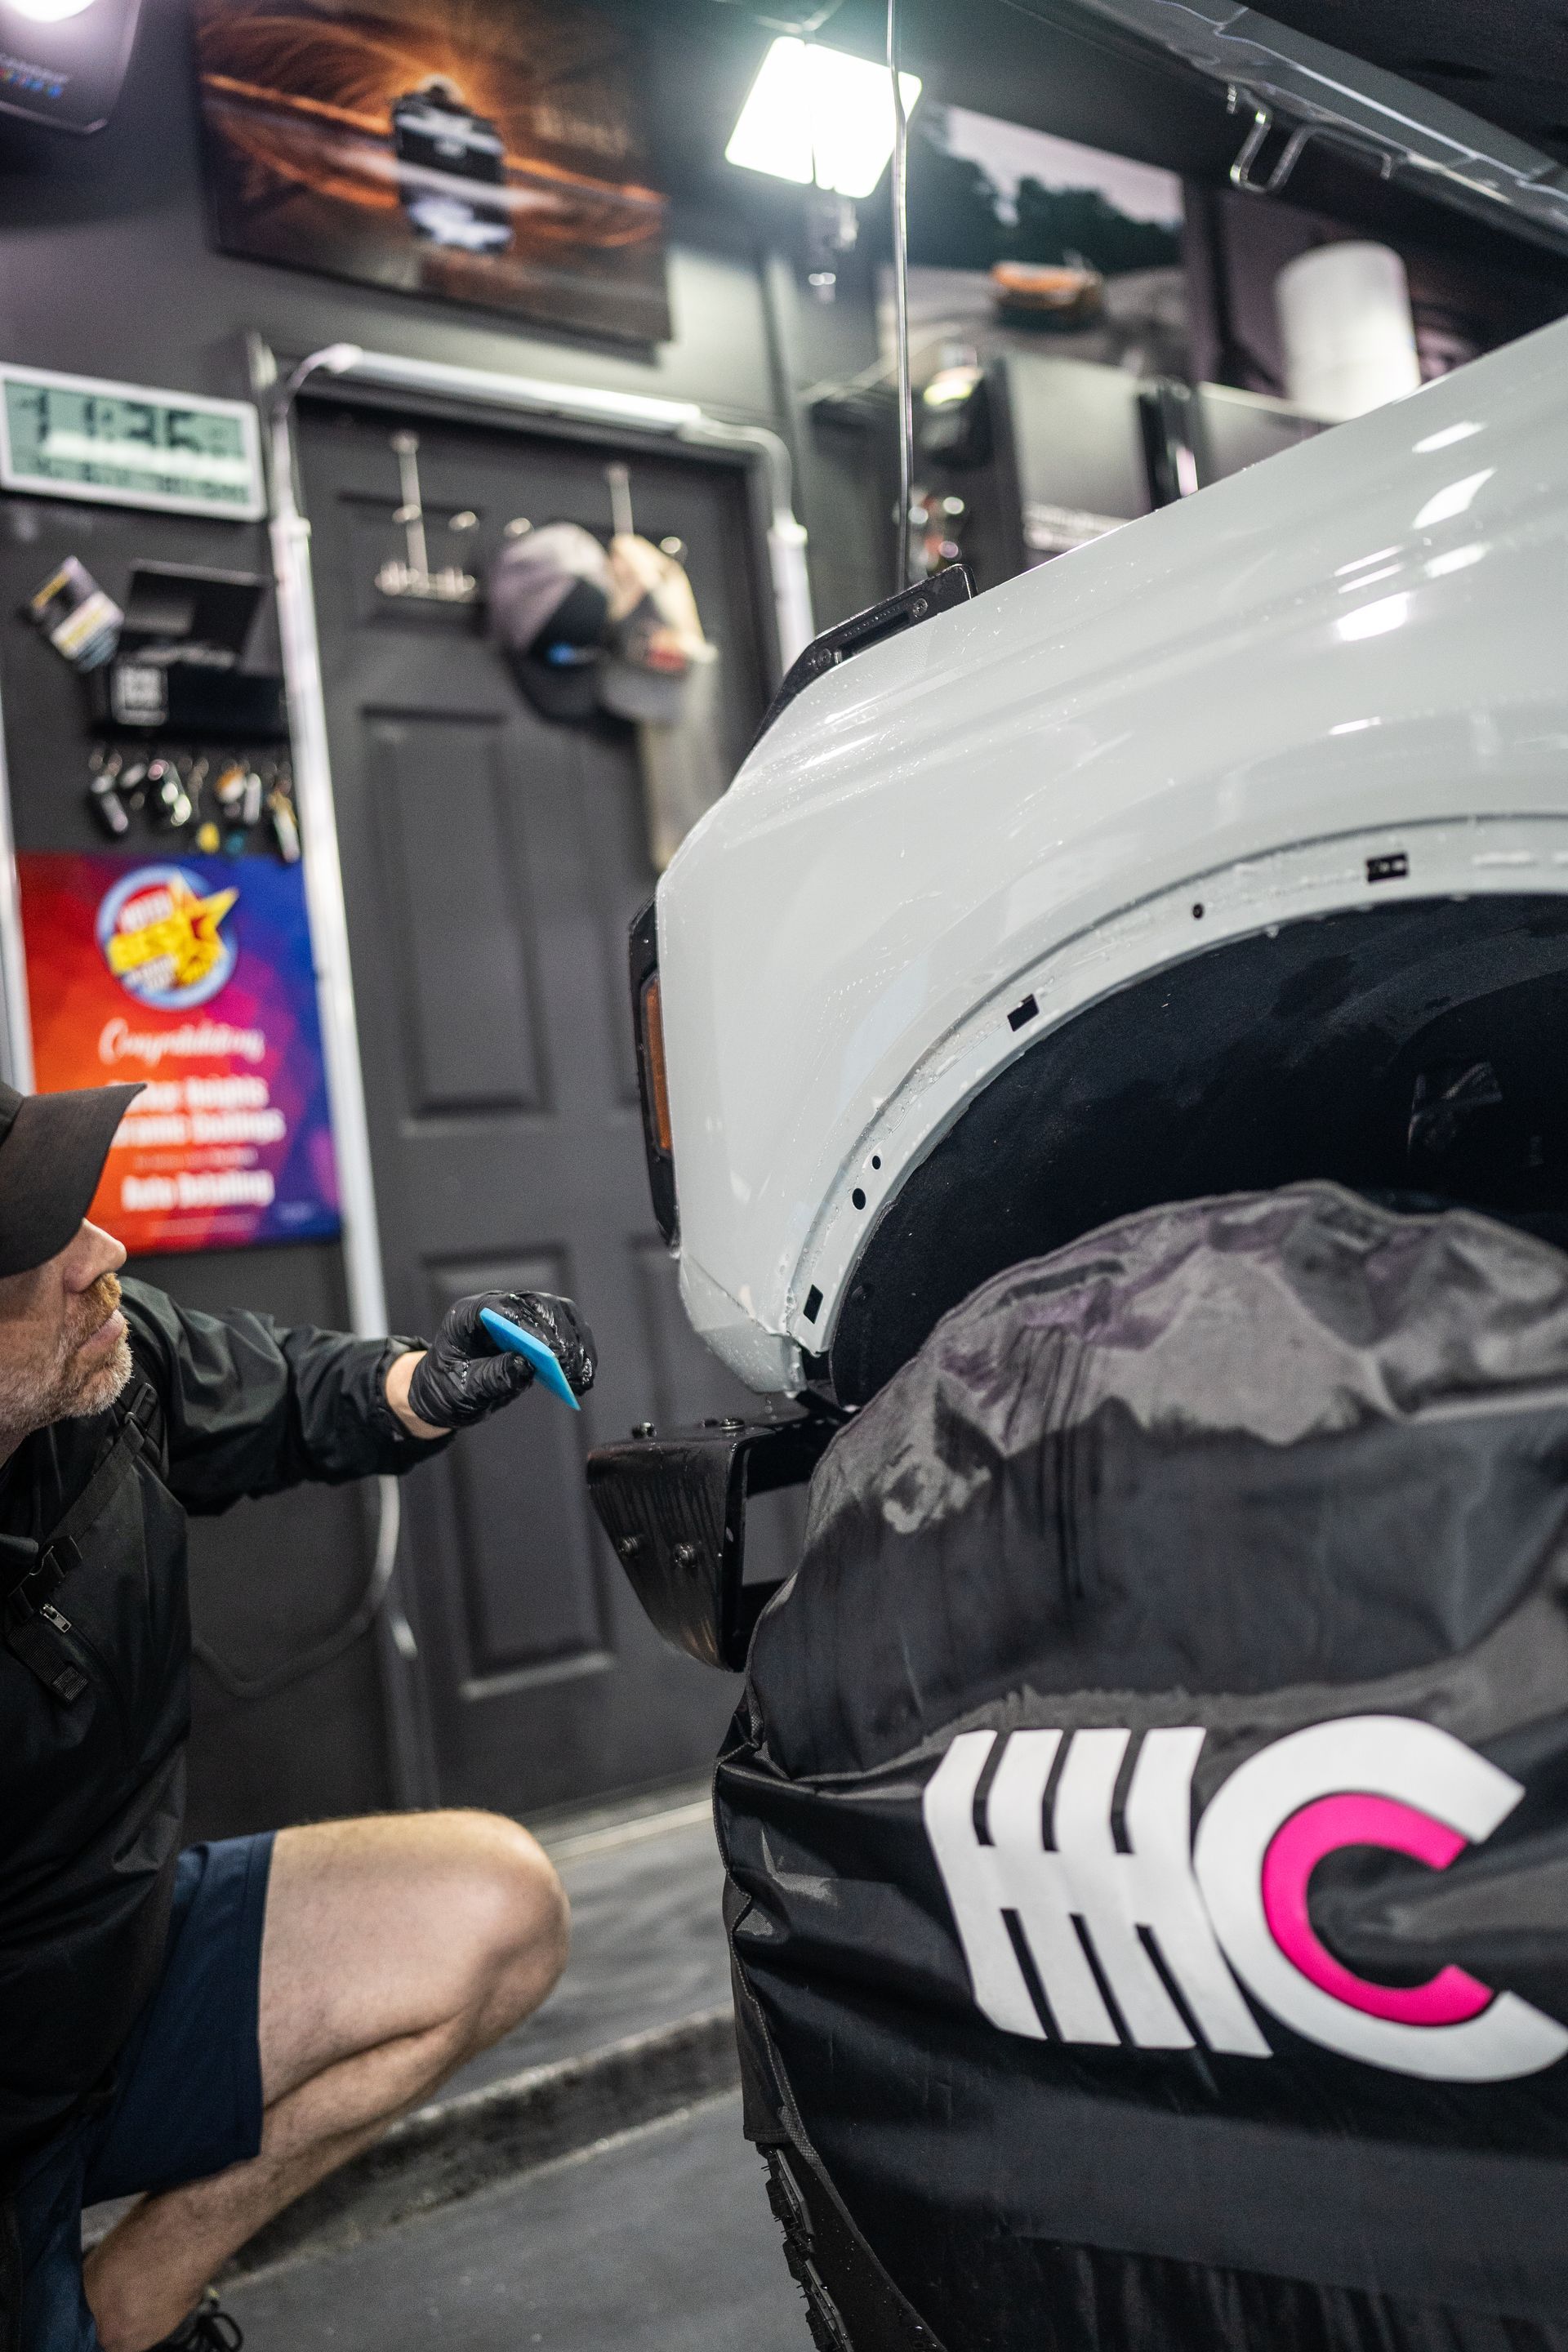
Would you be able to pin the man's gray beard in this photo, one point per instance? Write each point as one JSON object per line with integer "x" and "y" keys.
{"x": 69, "y": 1395}
{"x": 99, "y": 1391}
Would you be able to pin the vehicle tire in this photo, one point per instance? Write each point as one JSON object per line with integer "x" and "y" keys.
{"x": 852, "y": 2306}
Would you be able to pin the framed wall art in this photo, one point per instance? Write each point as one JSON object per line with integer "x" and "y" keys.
{"x": 459, "y": 149}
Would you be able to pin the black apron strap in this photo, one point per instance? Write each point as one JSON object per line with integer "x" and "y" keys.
{"x": 33, "y": 1624}
{"x": 138, "y": 1430}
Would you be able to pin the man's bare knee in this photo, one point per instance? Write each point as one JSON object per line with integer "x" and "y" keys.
{"x": 440, "y": 1929}
{"x": 516, "y": 1921}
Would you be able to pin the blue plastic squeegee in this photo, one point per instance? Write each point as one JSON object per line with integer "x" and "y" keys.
{"x": 519, "y": 1342}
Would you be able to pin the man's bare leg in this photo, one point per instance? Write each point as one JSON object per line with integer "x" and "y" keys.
{"x": 394, "y": 1949}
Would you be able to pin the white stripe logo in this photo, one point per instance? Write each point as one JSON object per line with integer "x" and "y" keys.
{"x": 1101, "y": 1925}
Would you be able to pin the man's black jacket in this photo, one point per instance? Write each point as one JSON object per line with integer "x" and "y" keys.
{"x": 94, "y": 1700}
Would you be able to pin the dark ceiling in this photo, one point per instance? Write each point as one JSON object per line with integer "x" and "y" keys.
{"x": 997, "y": 56}
{"x": 1052, "y": 64}
{"x": 1504, "y": 59}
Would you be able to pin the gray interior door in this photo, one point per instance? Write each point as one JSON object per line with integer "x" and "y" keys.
{"x": 492, "y": 861}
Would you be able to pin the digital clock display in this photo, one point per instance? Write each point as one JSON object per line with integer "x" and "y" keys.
{"x": 74, "y": 437}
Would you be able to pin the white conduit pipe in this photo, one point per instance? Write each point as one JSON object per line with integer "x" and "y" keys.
{"x": 17, "y": 1037}
{"x": 290, "y": 537}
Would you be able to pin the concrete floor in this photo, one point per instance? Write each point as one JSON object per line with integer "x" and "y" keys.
{"x": 661, "y": 2241}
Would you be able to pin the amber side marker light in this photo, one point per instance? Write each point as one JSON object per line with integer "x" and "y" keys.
{"x": 659, "y": 1134}
{"x": 646, "y": 1005}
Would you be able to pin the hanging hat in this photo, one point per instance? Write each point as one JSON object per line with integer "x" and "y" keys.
{"x": 549, "y": 604}
{"x": 655, "y": 634}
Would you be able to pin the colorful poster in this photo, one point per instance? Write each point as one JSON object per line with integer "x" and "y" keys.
{"x": 194, "y": 975}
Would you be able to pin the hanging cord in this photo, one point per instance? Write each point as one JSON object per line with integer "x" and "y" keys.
{"x": 353, "y": 1629}
{"x": 904, "y": 570}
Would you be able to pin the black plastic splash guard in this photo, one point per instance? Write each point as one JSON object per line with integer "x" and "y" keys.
{"x": 675, "y": 1509}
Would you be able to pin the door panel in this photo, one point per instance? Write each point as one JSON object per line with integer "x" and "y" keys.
{"x": 452, "y": 867}
{"x": 492, "y": 861}
{"x": 519, "y": 1504}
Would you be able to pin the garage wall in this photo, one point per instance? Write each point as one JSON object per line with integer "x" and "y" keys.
{"x": 105, "y": 269}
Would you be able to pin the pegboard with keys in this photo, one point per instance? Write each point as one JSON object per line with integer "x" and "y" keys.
{"x": 214, "y": 801}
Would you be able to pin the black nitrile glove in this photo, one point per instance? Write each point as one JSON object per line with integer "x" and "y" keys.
{"x": 463, "y": 1376}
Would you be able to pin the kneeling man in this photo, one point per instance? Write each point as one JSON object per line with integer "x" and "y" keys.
{"x": 217, "y": 2028}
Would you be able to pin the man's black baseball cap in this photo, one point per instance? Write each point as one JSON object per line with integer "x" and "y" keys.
{"x": 52, "y": 1150}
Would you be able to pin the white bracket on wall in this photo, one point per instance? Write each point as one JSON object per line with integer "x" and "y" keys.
{"x": 409, "y": 576}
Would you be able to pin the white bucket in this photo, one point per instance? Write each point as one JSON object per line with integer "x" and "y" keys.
{"x": 1345, "y": 322}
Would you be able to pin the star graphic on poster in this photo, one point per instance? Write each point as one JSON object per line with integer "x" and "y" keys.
{"x": 183, "y": 932}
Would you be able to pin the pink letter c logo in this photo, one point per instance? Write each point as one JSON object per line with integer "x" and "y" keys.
{"x": 1294, "y": 1853}
{"x": 1364, "y": 1779}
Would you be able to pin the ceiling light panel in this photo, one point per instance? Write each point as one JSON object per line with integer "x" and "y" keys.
{"x": 819, "y": 117}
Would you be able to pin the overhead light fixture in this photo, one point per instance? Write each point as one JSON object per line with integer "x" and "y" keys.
{"x": 820, "y": 118}
{"x": 65, "y": 59}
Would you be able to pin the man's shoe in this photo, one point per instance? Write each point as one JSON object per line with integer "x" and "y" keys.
{"x": 208, "y": 2329}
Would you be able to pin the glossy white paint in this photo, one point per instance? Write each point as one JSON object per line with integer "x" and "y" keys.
{"x": 1352, "y": 648}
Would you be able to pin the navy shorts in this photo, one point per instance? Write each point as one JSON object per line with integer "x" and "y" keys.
{"x": 187, "y": 2087}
